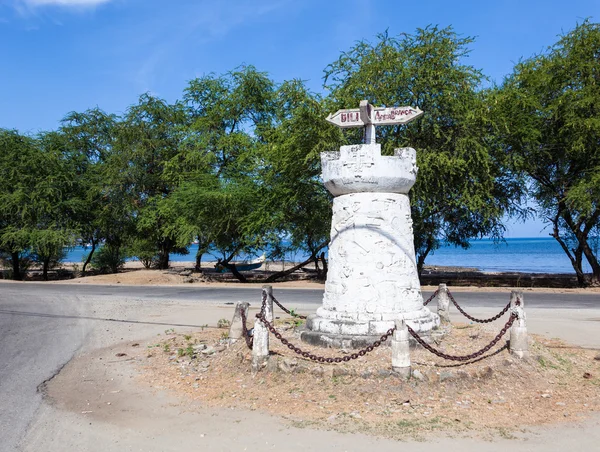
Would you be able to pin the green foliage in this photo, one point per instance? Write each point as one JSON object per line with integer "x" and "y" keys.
{"x": 109, "y": 259}
{"x": 461, "y": 191}
{"x": 548, "y": 114}
{"x": 236, "y": 163}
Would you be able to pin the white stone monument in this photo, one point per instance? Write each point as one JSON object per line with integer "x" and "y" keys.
{"x": 372, "y": 279}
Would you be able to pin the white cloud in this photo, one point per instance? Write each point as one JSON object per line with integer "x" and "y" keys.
{"x": 66, "y": 3}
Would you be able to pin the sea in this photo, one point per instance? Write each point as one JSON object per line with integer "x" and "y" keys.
{"x": 527, "y": 255}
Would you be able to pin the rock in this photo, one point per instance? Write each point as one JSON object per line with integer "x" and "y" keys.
{"x": 317, "y": 371}
{"x": 355, "y": 415}
{"x": 546, "y": 395}
{"x": 560, "y": 403}
{"x": 339, "y": 371}
{"x": 587, "y": 376}
{"x": 220, "y": 348}
{"x": 199, "y": 347}
{"x": 597, "y": 357}
{"x": 272, "y": 364}
{"x": 333, "y": 419}
{"x": 186, "y": 273}
{"x": 486, "y": 372}
{"x": 288, "y": 365}
{"x": 189, "y": 280}
{"x": 447, "y": 376}
{"x": 208, "y": 351}
{"x": 366, "y": 374}
{"x": 461, "y": 374}
{"x": 418, "y": 375}
{"x": 384, "y": 373}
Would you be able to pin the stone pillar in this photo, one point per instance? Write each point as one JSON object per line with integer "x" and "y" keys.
{"x": 443, "y": 303}
{"x": 372, "y": 278}
{"x": 519, "y": 344}
{"x": 236, "y": 330}
{"x": 260, "y": 346}
{"x": 401, "y": 350}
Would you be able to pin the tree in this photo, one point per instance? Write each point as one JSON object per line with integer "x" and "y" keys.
{"x": 462, "y": 190}
{"x": 90, "y": 138}
{"x": 294, "y": 202}
{"x": 35, "y": 190}
{"x": 148, "y": 138}
{"x": 17, "y": 154}
{"x": 216, "y": 165}
{"x": 548, "y": 114}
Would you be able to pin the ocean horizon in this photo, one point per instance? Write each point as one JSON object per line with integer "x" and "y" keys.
{"x": 527, "y": 255}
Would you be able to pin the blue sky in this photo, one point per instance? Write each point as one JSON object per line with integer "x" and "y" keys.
{"x": 64, "y": 55}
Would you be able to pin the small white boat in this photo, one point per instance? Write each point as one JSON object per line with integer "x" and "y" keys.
{"x": 243, "y": 266}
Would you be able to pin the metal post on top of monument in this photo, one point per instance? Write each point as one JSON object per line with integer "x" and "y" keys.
{"x": 372, "y": 277}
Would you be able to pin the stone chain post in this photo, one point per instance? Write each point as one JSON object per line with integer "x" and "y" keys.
{"x": 518, "y": 332}
{"x": 236, "y": 330}
{"x": 443, "y": 303}
{"x": 401, "y": 350}
{"x": 260, "y": 346}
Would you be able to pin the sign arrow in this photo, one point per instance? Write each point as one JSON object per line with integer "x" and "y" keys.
{"x": 346, "y": 118}
{"x": 388, "y": 116}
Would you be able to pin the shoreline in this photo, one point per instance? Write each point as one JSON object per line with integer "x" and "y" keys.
{"x": 181, "y": 273}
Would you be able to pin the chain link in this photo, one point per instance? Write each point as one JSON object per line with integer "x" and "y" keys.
{"x": 491, "y": 319}
{"x": 245, "y": 332}
{"x": 322, "y": 359}
{"x": 287, "y": 311}
{"x": 433, "y": 295}
{"x": 477, "y": 354}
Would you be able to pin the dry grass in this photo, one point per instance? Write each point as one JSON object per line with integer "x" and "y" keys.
{"x": 500, "y": 394}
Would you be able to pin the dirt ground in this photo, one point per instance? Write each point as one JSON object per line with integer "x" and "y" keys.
{"x": 131, "y": 388}
{"x": 499, "y": 395}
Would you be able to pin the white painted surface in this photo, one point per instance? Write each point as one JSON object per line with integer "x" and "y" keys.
{"x": 372, "y": 278}
{"x": 346, "y": 118}
{"x": 381, "y": 116}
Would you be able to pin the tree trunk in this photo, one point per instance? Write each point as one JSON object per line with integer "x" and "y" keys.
{"x": 421, "y": 257}
{"x": 89, "y": 257}
{"x": 16, "y": 265}
{"x": 575, "y": 263}
{"x": 233, "y": 269}
{"x": 593, "y": 261}
{"x": 281, "y": 274}
{"x": 163, "y": 257}
{"x": 45, "y": 265}
{"x": 325, "y": 266}
{"x": 198, "y": 266}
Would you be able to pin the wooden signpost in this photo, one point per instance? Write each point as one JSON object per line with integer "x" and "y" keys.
{"x": 368, "y": 117}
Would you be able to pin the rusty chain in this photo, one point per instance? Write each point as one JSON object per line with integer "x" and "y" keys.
{"x": 477, "y": 354}
{"x": 245, "y": 332}
{"x": 433, "y": 295}
{"x": 322, "y": 359}
{"x": 287, "y": 311}
{"x": 491, "y": 319}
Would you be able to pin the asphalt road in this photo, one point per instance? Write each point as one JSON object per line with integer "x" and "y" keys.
{"x": 287, "y": 296}
{"x": 42, "y": 326}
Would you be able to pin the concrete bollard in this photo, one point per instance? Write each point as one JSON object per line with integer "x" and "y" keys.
{"x": 519, "y": 345}
{"x": 260, "y": 346}
{"x": 443, "y": 303}
{"x": 401, "y": 350}
{"x": 236, "y": 330}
